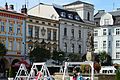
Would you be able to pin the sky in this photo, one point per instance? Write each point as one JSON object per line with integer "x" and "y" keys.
{"x": 107, "y": 5}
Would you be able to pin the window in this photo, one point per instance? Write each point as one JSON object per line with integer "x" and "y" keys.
{"x": 106, "y": 21}
{"x": 72, "y": 31}
{"x": 79, "y": 33}
{"x": 70, "y": 16}
{"x": 63, "y": 14}
{"x": 37, "y": 21}
{"x": 79, "y": 49}
{"x": 43, "y": 22}
{"x": 104, "y": 44}
{"x": 65, "y": 47}
{"x": 18, "y": 46}
{"x": 118, "y": 55}
{"x": 10, "y": 46}
{"x": 49, "y": 34}
{"x": 77, "y": 17}
{"x": 18, "y": 30}
{"x": 54, "y": 24}
{"x": 72, "y": 48}
{"x": 109, "y": 31}
{"x": 30, "y": 31}
{"x": 30, "y": 20}
{"x": 95, "y": 44}
{"x": 117, "y": 31}
{"x": 2, "y": 26}
{"x": 36, "y": 31}
{"x": 96, "y": 33}
{"x": 104, "y": 32}
{"x": 54, "y": 35}
{"x": 117, "y": 43}
{"x": 10, "y": 27}
{"x": 88, "y": 16}
{"x": 65, "y": 31}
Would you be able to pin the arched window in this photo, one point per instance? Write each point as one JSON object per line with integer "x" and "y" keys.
{"x": 65, "y": 47}
{"x": 72, "y": 48}
{"x": 88, "y": 16}
{"x": 79, "y": 47}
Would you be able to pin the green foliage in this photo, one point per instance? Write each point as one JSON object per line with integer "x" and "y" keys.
{"x": 117, "y": 77}
{"x": 39, "y": 54}
{"x": 58, "y": 56}
{"x": 74, "y": 57}
{"x": 105, "y": 59}
{"x": 3, "y": 49}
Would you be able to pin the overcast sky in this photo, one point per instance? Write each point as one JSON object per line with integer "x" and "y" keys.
{"x": 107, "y": 5}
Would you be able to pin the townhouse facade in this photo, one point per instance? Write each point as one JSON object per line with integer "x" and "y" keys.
{"x": 107, "y": 33}
{"x": 12, "y": 35}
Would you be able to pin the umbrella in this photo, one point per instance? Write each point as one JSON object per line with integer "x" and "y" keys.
{"x": 21, "y": 62}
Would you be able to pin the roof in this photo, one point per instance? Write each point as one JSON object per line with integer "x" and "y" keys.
{"x": 78, "y": 2}
{"x": 59, "y": 11}
{"x": 115, "y": 13}
{"x": 99, "y": 14}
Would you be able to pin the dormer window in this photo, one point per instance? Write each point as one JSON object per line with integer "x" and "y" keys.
{"x": 106, "y": 21}
{"x": 70, "y": 16}
{"x": 77, "y": 17}
{"x": 63, "y": 14}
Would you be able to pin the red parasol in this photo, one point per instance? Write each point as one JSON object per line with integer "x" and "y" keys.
{"x": 21, "y": 62}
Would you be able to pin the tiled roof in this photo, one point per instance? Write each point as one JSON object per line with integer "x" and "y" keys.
{"x": 67, "y": 13}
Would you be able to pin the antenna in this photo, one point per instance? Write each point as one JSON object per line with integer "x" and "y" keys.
{"x": 113, "y": 6}
{"x": 39, "y": 6}
{"x": 27, "y": 3}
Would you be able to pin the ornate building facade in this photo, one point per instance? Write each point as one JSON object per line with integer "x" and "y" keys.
{"x": 73, "y": 30}
{"x": 41, "y": 31}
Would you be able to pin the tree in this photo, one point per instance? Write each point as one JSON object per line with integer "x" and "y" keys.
{"x": 117, "y": 77}
{"x": 39, "y": 54}
{"x": 105, "y": 59}
{"x": 58, "y": 56}
{"x": 74, "y": 57}
{"x": 3, "y": 49}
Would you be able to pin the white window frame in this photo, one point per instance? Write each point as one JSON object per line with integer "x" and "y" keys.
{"x": 117, "y": 43}
{"x": 95, "y": 44}
{"x": 118, "y": 31}
{"x": 96, "y": 33}
{"x": 104, "y": 44}
{"x": 117, "y": 55}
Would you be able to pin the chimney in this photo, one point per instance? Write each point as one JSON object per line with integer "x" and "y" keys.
{"x": 24, "y": 9}
{"x": 11, "y": 7}
{"x": 118, "y": 9}
{"x": 6, "y": 6}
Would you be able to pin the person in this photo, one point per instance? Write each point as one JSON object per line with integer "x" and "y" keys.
{"x": 79, "y": 77}
{"x": 74, "y": 74}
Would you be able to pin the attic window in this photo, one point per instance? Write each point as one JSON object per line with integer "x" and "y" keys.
{"x": 63, "y": 14}
{"x": 77, "y": 17}
{"x": 70, "y": 16}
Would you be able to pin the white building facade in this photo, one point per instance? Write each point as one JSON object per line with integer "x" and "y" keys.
{"x": 72, "y": 30}
{"x": 107, "y": 34}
